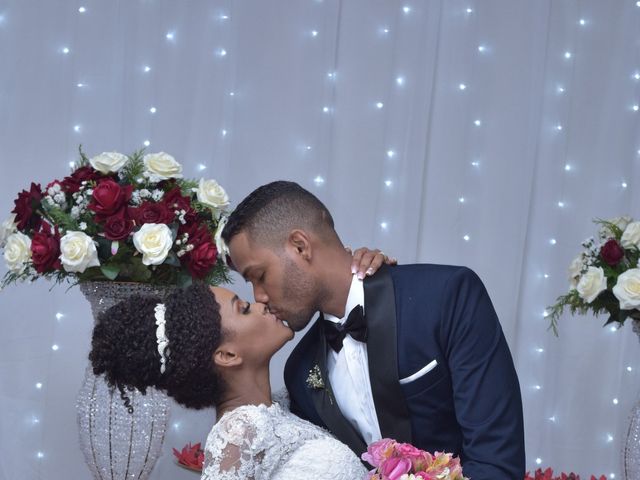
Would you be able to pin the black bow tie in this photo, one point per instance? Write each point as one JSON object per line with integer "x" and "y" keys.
{"x": 356, "y": 326}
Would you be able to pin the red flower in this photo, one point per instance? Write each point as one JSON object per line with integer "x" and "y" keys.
{"x": 176, "y": 201}
{"x": 25, "y": 208}
{"x": 198, "y": 234}
{"x": 191, "y": 456}
{"x": 150, "y": 212}
{"x": 71, "y": 184}
{"x": 45, "y": 249}
{"x": 108, "y": 198}
{"x": 201, "y": 259}
{"x": 119, "y": 225}
{"x": 611, "y": 252}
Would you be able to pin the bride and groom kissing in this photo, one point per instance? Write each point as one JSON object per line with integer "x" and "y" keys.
{"x": 410, "y": 352}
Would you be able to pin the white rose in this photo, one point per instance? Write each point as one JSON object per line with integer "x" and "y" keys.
{"x": 161, "y": 166}
{"x": 631, "y": 235}
{"x": 78, "y": 252}
{"x": 627, "y": 289}
{"x": 575, "y": 270}
{"x": 108, "y": 162}
{"x": 591, "y": 284}
{"x": 7, "y": 228}
{"x": 153, "y": 241}
{"x": 17, "y": 251}
{"x": 620, "y": 222}
{"x": 221, "y": 245}
{"x": 211, "y": 193}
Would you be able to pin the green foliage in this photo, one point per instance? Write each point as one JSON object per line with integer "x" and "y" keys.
{"x": 59, "y": 217}
{"x": 133, "y": 169}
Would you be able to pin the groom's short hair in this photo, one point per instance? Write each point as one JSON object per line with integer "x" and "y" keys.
{"x": 271, "y": 211}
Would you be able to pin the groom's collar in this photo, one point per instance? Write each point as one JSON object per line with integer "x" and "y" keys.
{"x": 355, "y": 298}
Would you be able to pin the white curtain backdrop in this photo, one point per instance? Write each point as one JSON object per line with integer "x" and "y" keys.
{"x": 482, "y": 133}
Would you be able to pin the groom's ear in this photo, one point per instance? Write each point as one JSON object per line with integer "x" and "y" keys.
{"x": 299, "y": 240}
{"x": 226, "y": 357}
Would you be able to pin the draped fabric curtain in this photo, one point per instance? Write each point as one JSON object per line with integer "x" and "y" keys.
{"x": 481, "y": 133}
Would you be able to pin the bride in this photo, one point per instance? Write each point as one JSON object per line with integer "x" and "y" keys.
{"x": 207, "y": 347}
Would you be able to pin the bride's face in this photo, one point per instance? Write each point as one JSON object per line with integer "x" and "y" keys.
{"x": 257, "y": 333}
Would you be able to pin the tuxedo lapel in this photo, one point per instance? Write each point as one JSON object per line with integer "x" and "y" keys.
{"x": 389, "y": 400}
{"x": 325, "y": 401}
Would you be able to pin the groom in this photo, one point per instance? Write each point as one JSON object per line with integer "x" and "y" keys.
{"x": 414, "y": 352}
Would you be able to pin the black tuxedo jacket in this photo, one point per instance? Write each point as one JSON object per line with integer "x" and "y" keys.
{"x": 469, "y": 404}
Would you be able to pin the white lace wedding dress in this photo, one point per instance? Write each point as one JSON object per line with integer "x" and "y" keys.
{"x": 270, "y": 443}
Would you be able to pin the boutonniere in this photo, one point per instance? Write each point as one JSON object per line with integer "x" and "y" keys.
{"x": 316, "y": 382}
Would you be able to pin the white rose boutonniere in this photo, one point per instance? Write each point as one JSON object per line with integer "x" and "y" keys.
{"x": 153, "y": 241}
{"x": 627, "y": 289}
{"x": 17, "y": 252}
{"x": 161, "y": 166}
{"x": 108, "y": 162}
{"x": 78, "y": 252}
{"x": 591, "y": 284}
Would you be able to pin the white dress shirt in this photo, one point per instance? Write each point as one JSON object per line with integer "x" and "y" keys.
{"x": 348, "y": 372}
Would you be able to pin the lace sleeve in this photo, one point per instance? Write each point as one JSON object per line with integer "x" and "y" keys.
{"x": 233, "y": 450}
{"x": 282, "y": 397}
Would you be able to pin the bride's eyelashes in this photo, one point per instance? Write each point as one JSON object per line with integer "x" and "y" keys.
{"x": 246, "y": 309}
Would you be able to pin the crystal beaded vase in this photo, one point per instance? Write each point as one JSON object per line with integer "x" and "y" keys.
{"x": 116, "y": 443}
{"x": 631, "y": 449}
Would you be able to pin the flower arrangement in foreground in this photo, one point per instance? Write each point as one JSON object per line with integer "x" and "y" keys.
{"x": 605, "y": 276}
{"x": 548, "y": 475}
{"x": 402, "y": 461}
{"x": 117, "y": 217}
{"x": 191, "y": 456}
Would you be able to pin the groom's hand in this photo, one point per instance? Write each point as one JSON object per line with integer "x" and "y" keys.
{"x": 366, "y": 262}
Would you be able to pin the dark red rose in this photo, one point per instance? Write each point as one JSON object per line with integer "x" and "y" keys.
{"x": 26, "y": 206}
{"x": 151, "y": 212}
{"x": 611, "y": 252}
{"x": 109, "y": 197}
{"x": 198, "y": 234}
{"x": 45, "y": 249}
{"x": 176, "y": 201}
{"x": 201, "y": 259}
{"x": 119, "y": 225}
{"x": 71, "y": 184}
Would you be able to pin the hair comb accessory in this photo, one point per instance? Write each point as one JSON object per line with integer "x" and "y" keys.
{"x": 161, "y": 337}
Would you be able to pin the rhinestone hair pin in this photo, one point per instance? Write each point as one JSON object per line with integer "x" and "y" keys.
{"x": 161, "y": 337}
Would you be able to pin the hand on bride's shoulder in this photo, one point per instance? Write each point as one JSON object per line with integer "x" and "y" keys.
{"x": 366, "y": 262}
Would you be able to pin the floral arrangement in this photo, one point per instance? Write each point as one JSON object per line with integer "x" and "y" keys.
{"x": 191, "y": 456}
{"x": 116, "y": 217}
{"x": 605, "y": 276}
{"x": 548, "y": 475}
{"x": 402, "y": 461}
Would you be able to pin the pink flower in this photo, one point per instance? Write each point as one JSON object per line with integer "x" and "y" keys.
{"x": 379, "y": 451}
{"x": 409, "y": 451}
{"x": 393, "y": 468}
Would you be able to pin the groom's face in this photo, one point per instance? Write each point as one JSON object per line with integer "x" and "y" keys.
{"x": 280, "y": 279}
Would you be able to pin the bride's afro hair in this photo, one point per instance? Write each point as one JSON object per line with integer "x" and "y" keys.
{"x": 124, "y": 346}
